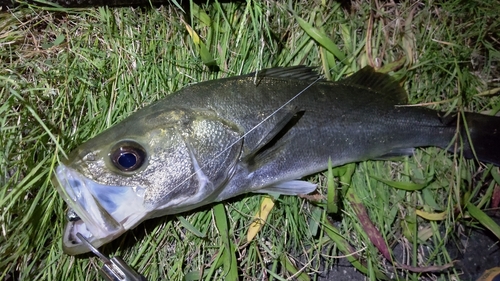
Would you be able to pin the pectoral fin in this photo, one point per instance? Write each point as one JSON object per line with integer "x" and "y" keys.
{"x": 273, "y": 141}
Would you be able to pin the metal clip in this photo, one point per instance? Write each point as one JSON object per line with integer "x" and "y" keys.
{"x": 114, "y": 269}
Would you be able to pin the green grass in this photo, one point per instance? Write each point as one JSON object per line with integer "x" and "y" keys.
{"x": 66, "y": 76}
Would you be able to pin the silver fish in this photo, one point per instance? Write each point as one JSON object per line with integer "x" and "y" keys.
{"x": 259, "y": 132}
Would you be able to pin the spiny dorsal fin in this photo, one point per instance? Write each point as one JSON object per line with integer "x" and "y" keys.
{"x": 382, "y": 84}
{"x": 300, "y": 72}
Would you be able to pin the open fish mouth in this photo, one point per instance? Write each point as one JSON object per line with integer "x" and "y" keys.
{"x": 103, "y": 212}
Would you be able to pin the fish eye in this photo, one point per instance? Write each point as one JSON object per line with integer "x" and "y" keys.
{"x": 128, "y": 156}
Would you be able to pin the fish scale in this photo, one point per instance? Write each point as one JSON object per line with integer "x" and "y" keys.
{"x": 260, "y": 132}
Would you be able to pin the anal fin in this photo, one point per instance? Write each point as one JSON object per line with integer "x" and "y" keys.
{"x": 395, "y": 153}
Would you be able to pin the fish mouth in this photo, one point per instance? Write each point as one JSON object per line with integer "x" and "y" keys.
{"x": 104, "y": 212}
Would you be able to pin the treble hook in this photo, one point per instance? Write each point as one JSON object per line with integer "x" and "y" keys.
{"x": 114, "y": 269}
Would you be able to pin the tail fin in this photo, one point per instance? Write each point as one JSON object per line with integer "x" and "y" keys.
{"x": 484, "y": 132}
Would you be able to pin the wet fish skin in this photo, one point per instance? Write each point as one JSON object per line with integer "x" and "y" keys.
{"x": 221, "y": 138}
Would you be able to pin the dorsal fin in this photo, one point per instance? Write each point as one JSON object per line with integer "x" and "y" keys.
{"x": 300, "y": 72}
{"x": 380, "y": 83}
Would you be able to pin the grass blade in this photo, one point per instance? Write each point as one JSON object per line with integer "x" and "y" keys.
{"x": 321, "y": 38}
{"x": 484, "y": 219}
{"x": 229, "y": 256}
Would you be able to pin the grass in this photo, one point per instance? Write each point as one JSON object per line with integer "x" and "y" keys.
{"x": 66, "y": 75}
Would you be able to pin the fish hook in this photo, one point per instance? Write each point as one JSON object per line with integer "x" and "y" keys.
{"x": 114, "y": 269}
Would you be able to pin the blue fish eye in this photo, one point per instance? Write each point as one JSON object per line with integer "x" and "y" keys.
{"x": 127, "y": 160}
{"x": 128, "y": 156}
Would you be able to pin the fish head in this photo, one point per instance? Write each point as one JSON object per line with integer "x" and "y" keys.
{"x": 151, "y": 164}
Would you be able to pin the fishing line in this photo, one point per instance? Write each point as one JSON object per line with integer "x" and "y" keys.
{"x": 249, "y": 131}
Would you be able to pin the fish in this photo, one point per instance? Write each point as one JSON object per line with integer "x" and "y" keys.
{"x": 256, "y": 133}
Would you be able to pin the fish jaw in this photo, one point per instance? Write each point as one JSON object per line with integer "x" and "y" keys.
{"x": 105, "y": 212}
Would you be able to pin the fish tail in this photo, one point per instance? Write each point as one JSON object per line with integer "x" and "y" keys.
{"x": 482, "y": 138}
